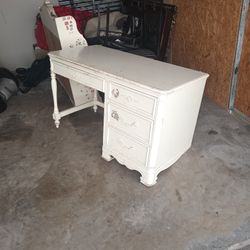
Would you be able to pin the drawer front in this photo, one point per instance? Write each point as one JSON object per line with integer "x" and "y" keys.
{"x": 126, "y": 147}
{"x": 129, "y": 123}
{"x": 79, "y": 76}
{"x": 130, "y": 99}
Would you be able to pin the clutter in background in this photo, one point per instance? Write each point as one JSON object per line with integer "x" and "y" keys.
{"x": 22, "y": 80}
{"x": 145, "y": 31}
{"x": 31, "y": 77}
{"x": 93, "y": 5}
{"x": 81, "y": 18}
{"x": 96, "y": 26}
{"x": 141, "y": 27}
{"x": 8, "y": 87}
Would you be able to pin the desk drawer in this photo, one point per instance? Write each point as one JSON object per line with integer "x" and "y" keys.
{"x": 130, "y": 123}
{"x": 126, "y": 147}
{"x": 131, "y": 99}
{"x": 82, "y": 77}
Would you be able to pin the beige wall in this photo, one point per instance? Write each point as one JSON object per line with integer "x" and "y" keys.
{"x": 17, "y": 22}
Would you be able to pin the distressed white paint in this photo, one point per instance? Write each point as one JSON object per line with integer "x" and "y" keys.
{"x": 150, "y": 109}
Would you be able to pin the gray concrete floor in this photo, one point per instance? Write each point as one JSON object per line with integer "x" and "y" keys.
{"x": 57, "y": 193}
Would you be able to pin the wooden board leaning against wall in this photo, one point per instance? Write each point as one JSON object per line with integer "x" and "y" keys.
{"x": 205, "y": 37}
{"x": 242, "y": 101}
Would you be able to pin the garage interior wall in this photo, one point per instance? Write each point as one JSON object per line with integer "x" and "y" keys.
{"x": 205, "y": 37}
{"x": 17, "y": 23}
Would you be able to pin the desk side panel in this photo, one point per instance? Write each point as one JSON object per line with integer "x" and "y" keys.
{"x": 177, "y": 123}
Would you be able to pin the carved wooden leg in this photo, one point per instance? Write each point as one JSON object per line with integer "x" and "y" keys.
{"x": 95, "y": 100}
{"x": 148, "y": 179}
{"x": 56, "y": 114}
{"x": 106, "y": 156}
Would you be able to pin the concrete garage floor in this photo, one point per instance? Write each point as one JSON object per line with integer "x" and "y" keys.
{"x": 57, "y": 193}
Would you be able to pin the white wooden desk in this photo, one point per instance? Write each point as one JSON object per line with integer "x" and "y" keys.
{"x": 150, "y": 108}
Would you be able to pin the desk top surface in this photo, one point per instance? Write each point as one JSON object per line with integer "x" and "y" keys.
{"x": 144, "y": 71}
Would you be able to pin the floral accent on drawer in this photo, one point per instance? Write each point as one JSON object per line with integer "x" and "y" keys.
{"x": 129, "y": 123}
{"x": 126, "y": 147}
{"x": 132, "y": 99}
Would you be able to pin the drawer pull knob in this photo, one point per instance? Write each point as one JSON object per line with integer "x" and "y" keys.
{"x": 115, "y": 115}
{"x": 115, "y": 92}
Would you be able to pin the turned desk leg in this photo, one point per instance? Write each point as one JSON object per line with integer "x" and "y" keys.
{"x": 106, "y": 156}
{"x": 56, "y": 114}
{"x": 95, "y": 101}
{"x": 148, "y": 179}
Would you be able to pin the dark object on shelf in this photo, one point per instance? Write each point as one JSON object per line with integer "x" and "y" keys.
{"x": 8, "y": 87}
